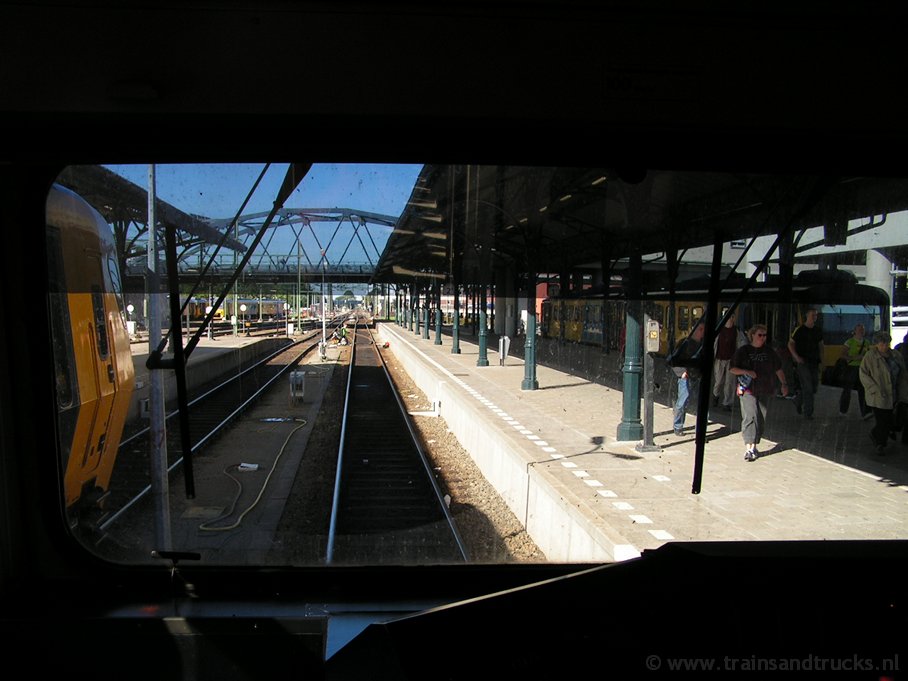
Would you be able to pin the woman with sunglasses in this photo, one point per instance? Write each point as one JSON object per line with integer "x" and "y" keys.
{"x": 755, "y": 365}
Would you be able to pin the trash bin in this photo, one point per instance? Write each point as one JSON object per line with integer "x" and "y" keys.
{"x": 297, "y": 386}
{"x": 504, "y": 345}
{"x": 303, "y": 381}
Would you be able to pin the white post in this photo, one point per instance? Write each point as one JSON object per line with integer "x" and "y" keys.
{"x": 160, "y": 487}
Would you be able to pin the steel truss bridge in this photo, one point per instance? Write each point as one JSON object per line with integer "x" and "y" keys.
{"x": 308, "y": 244}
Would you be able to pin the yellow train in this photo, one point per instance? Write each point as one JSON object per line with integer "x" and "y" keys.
{"x": 93, "y": 364}
{"x": 600, "y": 320}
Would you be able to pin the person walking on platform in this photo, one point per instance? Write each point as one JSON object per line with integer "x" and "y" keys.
{"x": 806, "y": 348}
{"x": 728, "y": 340}
{"x": 853, "y": 352}
{"x": 756, "y": 366}
{"x": 688, "y": 376}
{"x": 885, "y": 377}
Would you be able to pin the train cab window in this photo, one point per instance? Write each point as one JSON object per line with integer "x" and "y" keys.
{"x": 339, "y": 413}
{"x": 61, "y": 335}
{"x": 116, "y": 285}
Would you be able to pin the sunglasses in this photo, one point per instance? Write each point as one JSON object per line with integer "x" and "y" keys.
{"x": 760, "y": 335}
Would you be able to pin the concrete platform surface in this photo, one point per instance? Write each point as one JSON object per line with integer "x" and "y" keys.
{"x": 585, "y": 496}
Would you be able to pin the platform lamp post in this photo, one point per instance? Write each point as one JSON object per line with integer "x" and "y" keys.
{"x": 287, "y": 318}
{"x": 243, "y": 318}
{"x": 130, "y": 325}
{"x": 631, "y": 427}
{"x": 483, "y": 360}
{"x": 529, "y": 348}
{"x": 208, "y": 309}
{"x": 455, "y": 328}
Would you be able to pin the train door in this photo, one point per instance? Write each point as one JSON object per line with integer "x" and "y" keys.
{"x": 550, "y": 318}
{"x": 556, "y": 309}
{"x": 120, "y": 371}
{"x": 614, "y": 325}
{"x": 576, "y": 327}
{"x": 104, "y": 374}
{"x": 592, "y": 323}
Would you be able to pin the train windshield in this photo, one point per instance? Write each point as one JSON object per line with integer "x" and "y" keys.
{"x": 471, "y": 363}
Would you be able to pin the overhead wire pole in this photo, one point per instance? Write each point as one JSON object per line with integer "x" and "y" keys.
{"x": 160, "y": 487}
{"x": 706, "y": 360}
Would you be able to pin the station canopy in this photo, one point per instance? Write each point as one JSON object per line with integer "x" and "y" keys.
{"x": 465, "y": 221}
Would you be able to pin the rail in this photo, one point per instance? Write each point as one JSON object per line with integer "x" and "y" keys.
{"x": 387, "y": 504}
{"x": 223, "y": 422}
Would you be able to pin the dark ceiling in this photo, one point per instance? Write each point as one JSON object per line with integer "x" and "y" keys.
{"x": 470, "y": 220}
{"x": 731, "y": 92}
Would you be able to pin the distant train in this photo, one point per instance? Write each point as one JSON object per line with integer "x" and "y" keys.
{"x": 270, "y": 309}
{"x": 597, "y": 319}
{"x": 93, "y": 364}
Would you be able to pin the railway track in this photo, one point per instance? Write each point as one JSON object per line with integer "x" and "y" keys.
{"x": 387, "y": 505}
{"x": 220, "y": 329}
{"x": 210, "y": 412}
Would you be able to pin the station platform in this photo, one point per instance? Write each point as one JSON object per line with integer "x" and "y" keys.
{"x": 210, "y": 358}
{"x": 553, "y": 455}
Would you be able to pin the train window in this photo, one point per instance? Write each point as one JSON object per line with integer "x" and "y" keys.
{"x": 61, "y": 334}
{"x": 684, "y": 318}
{"x": 332, "y": 420}
{"x": 97, "y": 306}
{"x": 113, "y": 273}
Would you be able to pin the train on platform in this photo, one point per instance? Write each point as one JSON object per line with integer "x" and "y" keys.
{"x": 93, "y": 366}
{"x": 594, "y": 318}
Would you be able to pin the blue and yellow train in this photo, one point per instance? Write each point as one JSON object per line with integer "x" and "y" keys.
{"x": 598, "y": 319}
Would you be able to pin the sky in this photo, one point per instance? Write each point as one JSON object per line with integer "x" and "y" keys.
{"x": 218, "y": 191}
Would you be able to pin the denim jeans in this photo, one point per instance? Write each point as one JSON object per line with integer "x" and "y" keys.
{"x": 687, "y": 387}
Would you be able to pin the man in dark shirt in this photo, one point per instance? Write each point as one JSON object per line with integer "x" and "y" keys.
{"x": 806, "y": 348}
{"x": 727, "y": 341}
{"x": 688, "y": 377}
